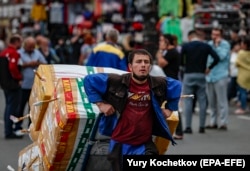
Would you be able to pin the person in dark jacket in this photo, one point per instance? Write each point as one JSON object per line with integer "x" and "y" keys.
{"x": 194, "y": 55}
{"x": 11, "y": 77}
{"x": 140, "y": 99}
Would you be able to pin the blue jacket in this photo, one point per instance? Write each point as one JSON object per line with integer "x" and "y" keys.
{"x": 105, "y": 87}
{"x": 220, "y": 70}
{"x": 107, "y": 55}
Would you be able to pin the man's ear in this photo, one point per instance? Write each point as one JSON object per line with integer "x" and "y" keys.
{"x": 130, "y": 67}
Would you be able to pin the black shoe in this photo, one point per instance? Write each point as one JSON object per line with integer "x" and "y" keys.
{"x": 223, "y": 127}
{"x": 211, "y": 127}
{"x": 202, "y": 130}
{"x": 188, "y": 130}
{"x": 13, "y": 136}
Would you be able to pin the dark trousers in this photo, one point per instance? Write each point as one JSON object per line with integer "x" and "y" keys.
{"x": 115, "y": 156}
{"x": 179, "y": 129}
{"x": 232, "y": 90}
{"x": 24, "y": 99}
{"x": 11, "y": 105}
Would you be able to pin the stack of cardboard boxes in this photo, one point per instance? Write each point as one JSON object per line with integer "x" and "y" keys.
{"x": 62, "y": 120}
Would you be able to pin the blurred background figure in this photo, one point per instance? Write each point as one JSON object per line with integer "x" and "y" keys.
{"x": 39, "y": 38}
{"x": 63, "y": 50}
{"x": 168, "y": 58}
{"x": 30, "y": 59}
{"x": 194, "y": 55}
{"x": 76, "y": 42}
{"x": 243, "y": 77}
{"x": 232, "y": 91}
{"x": 10, "y": 81}
{"x": 48, "y": 52}
{"x": 217, "y": 81}
{"x": 89, "y": 43}
{"x": 108, "y": 53}
{"x": 39, "y": 16}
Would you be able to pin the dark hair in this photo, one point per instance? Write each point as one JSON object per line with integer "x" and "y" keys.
{"x": 15, "y": 38}
{"x": 139, "y": 52}
{"x": 175, "y": 40}
{"x": 192, "y": 32}
{"x": 234, "y": 43}
{"x": 88, "y": 38}
{"x": 218, "y": 29}
{"x": 169, "y": 38}
{"x": 246, "y": 41}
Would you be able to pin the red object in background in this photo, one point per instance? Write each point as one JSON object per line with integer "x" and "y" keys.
{"x": 97, "y": 9}
{"x": 137, "y": 26}
{"x": 121, "y": 9}
{"x": 158, "y": 25}
{"x": 70, "y": 29}
{"x": 206, "y": 18}
{"x": 87, "y": 24}
{"x": 119, "y": 27}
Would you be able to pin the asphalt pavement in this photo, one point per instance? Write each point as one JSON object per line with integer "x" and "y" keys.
{"x": 233, "y": 141}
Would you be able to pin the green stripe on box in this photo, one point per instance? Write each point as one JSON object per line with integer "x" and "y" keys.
{"x": 90, "y": 70}
{"x": 91, "y": 116}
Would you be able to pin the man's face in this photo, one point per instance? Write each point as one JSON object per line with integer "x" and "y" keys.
{"x": 216, "y": 35}
{"x": 162, "y": 43}
{"x": 18, "y": 44}
{"x": 29, "y": 48}
{"x": 140, "y": 67}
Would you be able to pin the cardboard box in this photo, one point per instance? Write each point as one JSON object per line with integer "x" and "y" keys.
{"x": 162, "y": 143}
{"x": 43, "y": 89}
{"x": 67, "y": 125}
{"x": 30, "y": 158}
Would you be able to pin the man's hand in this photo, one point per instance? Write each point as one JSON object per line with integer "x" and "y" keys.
{"x": 207, "y": 71}
{"x": 217, "y": 41}
{"x": 105, "y": 108}
{"x": 166, "y": 112}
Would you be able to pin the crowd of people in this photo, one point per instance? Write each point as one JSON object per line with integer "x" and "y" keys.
{"x": 208, "y": 69}
{"x": 21, "y": 57}
{"x": 196, "y": 67}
